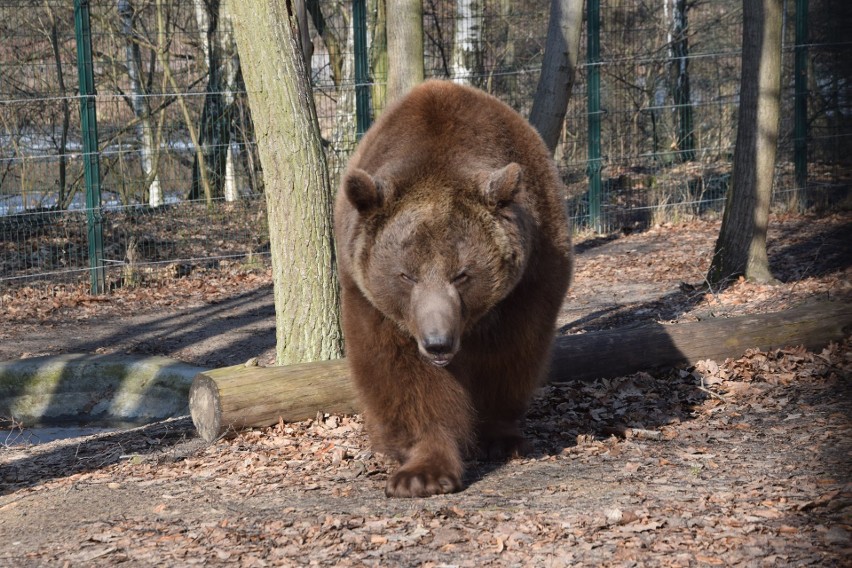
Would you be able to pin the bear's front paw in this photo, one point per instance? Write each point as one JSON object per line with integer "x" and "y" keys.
{"x": 501, "y": 448}
{"x": 422, "y": 482}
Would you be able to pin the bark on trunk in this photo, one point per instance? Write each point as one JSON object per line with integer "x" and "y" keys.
{"x": 558, "y": 69}
{"x": 405, "y": 46}
{"x": 377, "y": 23}
{"x": 741, "y": 246}
{"x": 298, "y": 192}
{"x": 680, "y": 82}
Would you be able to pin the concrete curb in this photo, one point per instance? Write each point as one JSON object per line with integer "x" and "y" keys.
{"x": 86, "y": 389}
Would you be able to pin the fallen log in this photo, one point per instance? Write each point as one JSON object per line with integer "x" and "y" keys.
{"x": 617, "y": 352}
{"x": 233, "y": 398}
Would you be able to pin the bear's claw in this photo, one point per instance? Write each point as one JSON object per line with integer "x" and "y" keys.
{"x": 421, "y": 482}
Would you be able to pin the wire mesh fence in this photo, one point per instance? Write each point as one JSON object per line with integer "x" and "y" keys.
{"x": 181, "y": 182}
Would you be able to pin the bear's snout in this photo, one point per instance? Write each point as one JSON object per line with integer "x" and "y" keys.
{"x": 439, "y": 348}
{"x": 437, "y": 322}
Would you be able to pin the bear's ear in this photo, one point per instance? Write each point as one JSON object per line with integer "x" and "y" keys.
{"x": 501, "y": 185}
{"x": 362, "y": 190}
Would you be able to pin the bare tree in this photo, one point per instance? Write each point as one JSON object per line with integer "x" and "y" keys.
{"x": 304, "y": 33}
{"x": 377, "y": 26}
{"x": 66, "y": 111}
{"x": 329, "y": 38}
{"x": 141, "y": 107}
{"x": 741, "y": 246}
{"x": 298, "y": 192}
{"x": 343, "y": 138}
{"x": 405, "y": 46}
{"x": 679, "y": 71}
{"x": 216, "y": 32}
{"x": 230, "y": 85}
{"x": 558, "y": 69}
{"x": 467, "y": 47}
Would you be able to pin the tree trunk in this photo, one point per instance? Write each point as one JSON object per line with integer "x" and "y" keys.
{"x": 344, "y": 131}
{"x": 741, "y": 246}
{"x": 214, "y": 126}
{"x": 304, "y": 34}
{"x": 679, "y": 65}
{"x": 329, "y": 38}
{"x": 66, "y": 109}
{"x": 504, "y": 36}
{"x": 230, "y": 72}
{"x": 405, "y": 46}
{"x": 298, "y": 192}
{"x": 467, "y": 47}
{"x": 377, "y": 27}
{"x": 245, "y": 137}
{"x": 558, "y": 68}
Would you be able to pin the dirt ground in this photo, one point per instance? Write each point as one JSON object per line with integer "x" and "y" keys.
{"x": 740, "y": 462}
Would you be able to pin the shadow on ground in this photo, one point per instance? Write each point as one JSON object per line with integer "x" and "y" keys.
{"x": 169, "y": 440}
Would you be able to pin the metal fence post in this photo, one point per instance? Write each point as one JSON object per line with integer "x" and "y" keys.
{"x": 686, "y": 135}
{"x": 800, "y": 109}
{"x": 593, "y": 79}
{"x": 91, "y": 160}
{"x": 362, "y": 81}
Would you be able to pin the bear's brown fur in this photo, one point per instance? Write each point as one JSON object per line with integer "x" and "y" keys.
{"x": 454, "y": 254}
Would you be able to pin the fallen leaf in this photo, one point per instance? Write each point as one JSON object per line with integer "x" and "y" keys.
{"x": 712, "y": 560}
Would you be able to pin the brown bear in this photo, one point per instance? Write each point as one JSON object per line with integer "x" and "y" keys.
{"x": 454, "y": 255}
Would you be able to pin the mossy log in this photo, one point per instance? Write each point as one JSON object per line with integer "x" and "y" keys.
{"x": 232, "y": 398}
{"x": 94, "y": 389}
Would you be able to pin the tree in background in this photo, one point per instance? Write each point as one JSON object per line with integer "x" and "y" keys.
{"x": 679, "y": 71}
{"x": 557, "y": 70}
{"x": 334, "y": 24}
{"x": 329, "y": 38}
{"x": 741, "y": 246}
{"x": 377, "y": 26}
{"x": 343, "y": 135}
{"x": 298, "y": 191}
{"x": 141, "y": 107}
{"x": 230, "y": 86}
{"x": 405, "y": 46}
{"x": 467, "y": 47}
{"x": 62, "y": 180}
{"x": 215, "y": 29}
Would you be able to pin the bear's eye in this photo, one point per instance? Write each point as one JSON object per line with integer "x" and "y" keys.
{"x": 461, "y": 278}
{"x": 407, "y": 278}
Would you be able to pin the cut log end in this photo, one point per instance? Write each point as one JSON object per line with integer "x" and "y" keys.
{"x": 233, "y": 398}
{"x": 205, "y": 407}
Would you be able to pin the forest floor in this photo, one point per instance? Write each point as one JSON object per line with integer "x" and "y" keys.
{"x": 739, "y": 462}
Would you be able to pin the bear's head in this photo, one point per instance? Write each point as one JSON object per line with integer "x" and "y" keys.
{"x": 435, "y": 255}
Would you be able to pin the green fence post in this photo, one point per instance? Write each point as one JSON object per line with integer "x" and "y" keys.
{"x": 680, "y": 51}
{"x": 800, "y": 109}
{"x": 362, "y": 81}
{"x": 594, "y": 165}
{"x": 91, "y": 162}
